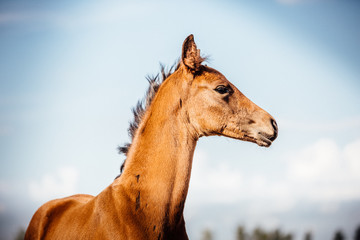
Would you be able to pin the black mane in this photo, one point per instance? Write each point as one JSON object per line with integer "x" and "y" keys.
{"x": 143, "y": 104}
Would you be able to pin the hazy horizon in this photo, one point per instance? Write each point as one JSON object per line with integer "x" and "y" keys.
{"x": 71, "y": 71}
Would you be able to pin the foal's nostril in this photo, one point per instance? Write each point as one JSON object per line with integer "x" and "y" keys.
{"x": 273, "y": 137}
{"x": 274, "y": 125}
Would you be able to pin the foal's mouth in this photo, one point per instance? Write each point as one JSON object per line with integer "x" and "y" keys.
{"x": 264, "y": 139}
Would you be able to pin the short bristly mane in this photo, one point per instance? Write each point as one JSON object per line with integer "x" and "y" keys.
{"x": 143, "y": 104}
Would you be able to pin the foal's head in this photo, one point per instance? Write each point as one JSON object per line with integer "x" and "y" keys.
{"x": 216, "y": 107}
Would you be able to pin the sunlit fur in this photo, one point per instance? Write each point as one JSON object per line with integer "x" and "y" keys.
{"x": 144, "y": 104}
{"x": 147, "y": 200}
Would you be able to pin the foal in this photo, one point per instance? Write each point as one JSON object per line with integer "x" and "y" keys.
{"x": 147, "y": 200}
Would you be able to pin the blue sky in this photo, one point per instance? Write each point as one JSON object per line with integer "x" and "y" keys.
{"x": 70, "y": 72}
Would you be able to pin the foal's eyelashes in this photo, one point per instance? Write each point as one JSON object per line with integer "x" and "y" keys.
{"x": 222, "y": 89}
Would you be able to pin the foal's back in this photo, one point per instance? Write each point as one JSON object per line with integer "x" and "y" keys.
{"x": 53, "y": 213}
{"x": 84, "y": 217}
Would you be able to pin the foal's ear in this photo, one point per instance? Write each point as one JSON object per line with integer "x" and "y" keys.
{"x": 190, "y": 56}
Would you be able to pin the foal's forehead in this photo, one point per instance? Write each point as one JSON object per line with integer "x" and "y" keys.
{"x": 209, "y": 74}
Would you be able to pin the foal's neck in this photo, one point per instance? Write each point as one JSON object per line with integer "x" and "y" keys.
{"x": 158, "y": 166}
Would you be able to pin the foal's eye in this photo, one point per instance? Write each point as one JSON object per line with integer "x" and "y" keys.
{"x": 222, "y": 89}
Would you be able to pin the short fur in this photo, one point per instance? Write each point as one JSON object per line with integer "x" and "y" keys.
{"x": 142, "y": 105}
{"x": 148, "y": 199}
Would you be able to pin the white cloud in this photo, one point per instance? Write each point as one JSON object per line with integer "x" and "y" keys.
{"x": 223, "y": 184}
{"x": 328, "y": 126}
{"x": 4, "y": 190}
{"x": 61, "y": 184}
{"x": 325, "y": 172}
{"x": 315, "y": 162}
{"x": 3, "y": 187}
{"x": 352, "y": 154}
{"x": 215, "y": 183}
{"x": 323, "y": 175}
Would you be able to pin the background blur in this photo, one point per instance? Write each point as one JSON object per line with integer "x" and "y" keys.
{"x": 70, "y": 71}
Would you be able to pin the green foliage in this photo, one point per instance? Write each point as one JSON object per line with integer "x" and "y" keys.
{"x": 357, "y": 233}
{"x": 207, "y": 235}
{"x": 277, "y": 234}
{"x": 308, "y": 236}
{"x": 261, "y": 234}
{"x": 240, "y": 233}
{"x": 339, "y": 235}
{"x": 20, "y": 235}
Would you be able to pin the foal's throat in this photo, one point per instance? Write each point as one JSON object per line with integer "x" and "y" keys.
{"x": 158, "y": 166}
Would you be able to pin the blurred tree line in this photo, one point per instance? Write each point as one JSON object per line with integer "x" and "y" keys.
{"x": 261, "y": 234}
{"x": 257, "y": 234}
{"x": 20, "y": 234}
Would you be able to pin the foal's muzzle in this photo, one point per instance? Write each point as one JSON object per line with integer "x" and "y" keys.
{"x": 274, "y": 125}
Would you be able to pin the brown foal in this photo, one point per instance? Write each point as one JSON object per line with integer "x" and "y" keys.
{"x": 147, "y": 200}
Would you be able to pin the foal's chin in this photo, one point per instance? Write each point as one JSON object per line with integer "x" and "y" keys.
{"x": 262, "y": 140}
